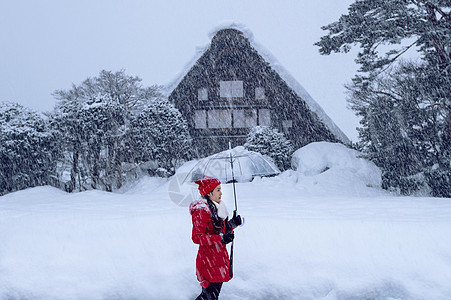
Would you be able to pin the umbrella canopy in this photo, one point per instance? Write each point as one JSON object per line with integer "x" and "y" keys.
{"x": 246, "y": 165}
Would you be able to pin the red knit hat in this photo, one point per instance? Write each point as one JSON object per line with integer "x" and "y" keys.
{"x": 207, "y": 184}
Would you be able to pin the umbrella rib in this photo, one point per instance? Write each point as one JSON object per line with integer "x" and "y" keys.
{"x": 270, "y": 164}
{"x": 253, "y": 163}
{"x": 206, "y": 166}
{"x": 225, "y": 171}
{"x": 239, "y": 164}
{"x": 191, "y": 171}
{"x": 209, "y": 160}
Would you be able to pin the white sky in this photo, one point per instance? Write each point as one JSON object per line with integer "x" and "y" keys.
{"x": 49, "y": 44}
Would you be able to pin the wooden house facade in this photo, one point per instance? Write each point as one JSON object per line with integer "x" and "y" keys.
{"x": 231, "y": 88}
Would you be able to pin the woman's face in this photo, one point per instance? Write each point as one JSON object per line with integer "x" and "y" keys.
{"x": 216, "y": 194}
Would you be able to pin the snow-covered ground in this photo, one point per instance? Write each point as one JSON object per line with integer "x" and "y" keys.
{"x": 309, "y": 234}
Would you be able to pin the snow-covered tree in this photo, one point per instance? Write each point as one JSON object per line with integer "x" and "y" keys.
{"x": 160, "y": 134}
{"x": 405, "y": 106}
{"x": 28, "y": 149}
{"x": 116, "y": 87}
{"x": 269, "y": 141}
{"x": 387, "y": 132}
{"x": 392, "y": 27}
{"x": 90, "y": 136}
{"x": 93, "y": 119}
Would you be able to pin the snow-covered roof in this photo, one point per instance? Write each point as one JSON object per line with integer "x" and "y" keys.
{"x": 268, "y": 57}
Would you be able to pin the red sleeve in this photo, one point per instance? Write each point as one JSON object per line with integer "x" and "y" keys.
{"x": 200, "y": 222}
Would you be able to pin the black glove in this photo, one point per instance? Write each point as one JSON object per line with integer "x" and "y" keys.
{"x": 235, "y": 221}
{"x": 227, "y": 237}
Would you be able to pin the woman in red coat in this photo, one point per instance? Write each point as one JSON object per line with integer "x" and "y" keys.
{"x": 212, "y": 231}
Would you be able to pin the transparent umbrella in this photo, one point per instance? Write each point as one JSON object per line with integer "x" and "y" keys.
{"x": 230, "y": 166}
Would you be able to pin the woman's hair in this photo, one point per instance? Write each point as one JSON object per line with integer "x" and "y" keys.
{"x": 217, "y": 222}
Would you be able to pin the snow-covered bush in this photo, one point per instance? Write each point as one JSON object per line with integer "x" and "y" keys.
{"x": 439, "y": 180}
{"x": 404, "y": 185}
{"x": 269, "y": 141}
{"x": 159, "y": 134}
{"x": 27, "y": 149}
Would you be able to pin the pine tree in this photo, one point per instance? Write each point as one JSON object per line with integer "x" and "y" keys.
{"x": 392, "y": 27}
{"x": 269, "y": 141}
{"x": 404, "y": 106}
{"x": 391, "y": 131}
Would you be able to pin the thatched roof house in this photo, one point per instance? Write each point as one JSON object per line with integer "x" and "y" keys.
{"x": 234, "y": 85}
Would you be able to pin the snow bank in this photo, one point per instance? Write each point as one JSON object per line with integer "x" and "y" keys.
{"x": 333, "y": 164}
{"x": 300, "y": 241}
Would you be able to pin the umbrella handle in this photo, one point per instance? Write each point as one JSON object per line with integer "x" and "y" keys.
{"x": 243, "y": 220}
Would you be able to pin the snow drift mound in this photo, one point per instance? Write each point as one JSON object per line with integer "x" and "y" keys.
{"x": 335, "y": 165}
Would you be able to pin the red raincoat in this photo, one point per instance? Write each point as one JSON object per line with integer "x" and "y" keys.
{"x": 212, "y": 263}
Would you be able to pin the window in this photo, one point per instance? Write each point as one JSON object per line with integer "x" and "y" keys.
{"x": 264, "y": 117}
{"x": 200, "y": 119}
{"x": 287, "y": 124}
{"x": 219, "y": 118}
{"x": 231, "y": 89}
{"x": 244, "y": 118}
{"x": 202, "y": 94}
{"x": 259, "y": 93}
